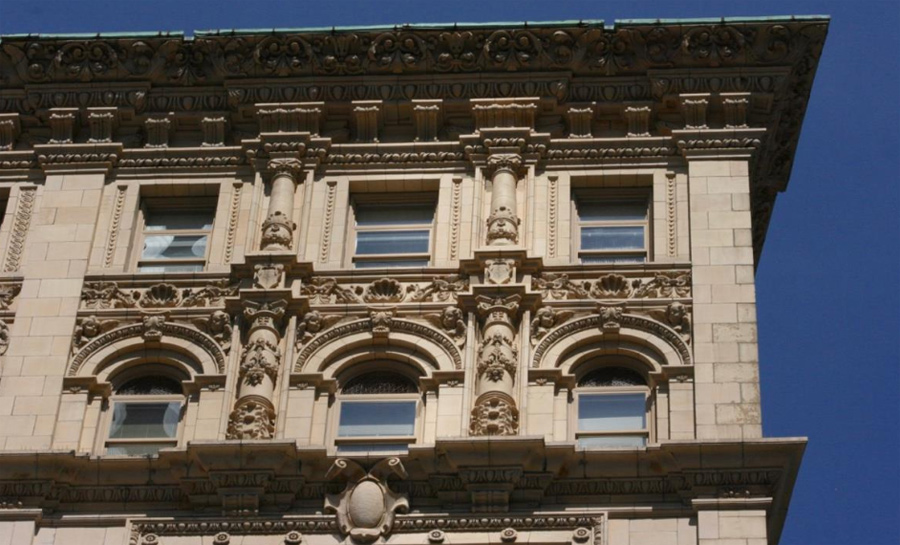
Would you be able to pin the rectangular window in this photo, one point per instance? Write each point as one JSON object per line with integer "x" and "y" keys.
{"x": 612, "y": 420}
{"x": 142, "y": 428}
{"x": 612, "y": 229}
{"x": 175, "y": 239}
{"x": 392, "y": 234}
{"x": 376, "y": 426}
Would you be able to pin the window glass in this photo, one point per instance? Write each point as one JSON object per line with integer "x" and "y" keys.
{"x": 612, "y": 210}
{"x": 193, "y": 220}
{"x": 145, "y": 420}
{"x": 175, "y": 240}
{"x": 612, "y": 230}
{"x": 612, "y": 441}
{"x": 376, "y": 215}
{"x": 612, "y": 238}
{"x": 374, "y": 448}
{"x": 393, "y": 234}
{"x": 377, "y": 419}
{"x": 392, "y": 242}
{"x": 611, "y": 412}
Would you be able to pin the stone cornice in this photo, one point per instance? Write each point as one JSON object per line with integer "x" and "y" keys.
{"x": 584, "y": 49}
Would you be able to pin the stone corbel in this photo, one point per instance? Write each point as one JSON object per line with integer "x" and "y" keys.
{"x": 62, "y": 125}
{"x": 158, "y": 129}
{"x": 292, "y": 117}
{"x": 504, "y": 112}
{"x": 427, "y": 115}
{"x": 735, "y": 106}
{"x": 637, "y": 117}
{"x": 694, "y": 106}
{"x": 367, "y": 119}
{"x": 581, "y": 118}
{"x": 10, "y": 128}
{"x": 213, "y": 129}
{"x": 102, "y": 123}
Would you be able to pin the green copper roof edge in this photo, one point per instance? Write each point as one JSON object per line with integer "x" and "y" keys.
{"x": 766, "y": 19}
{"x": 407, "y": 26}
{"x": 95, "y": 35}
{"x": 594, "y": 23}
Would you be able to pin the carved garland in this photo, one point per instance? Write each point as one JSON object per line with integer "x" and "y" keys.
{"x": 114, "y": 227}
{"x": 639, "y": 323}
{"x": 204, "y": 341}
{"x": 366, "y": 325}
{"x": 21, "y": 222}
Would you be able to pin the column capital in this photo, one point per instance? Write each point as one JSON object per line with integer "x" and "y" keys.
{"x": 290, "y": 166}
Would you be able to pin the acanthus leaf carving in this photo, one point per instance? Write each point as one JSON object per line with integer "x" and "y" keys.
{"x": 366, "y": 508}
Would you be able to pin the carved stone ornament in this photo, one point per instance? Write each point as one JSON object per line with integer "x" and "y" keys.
{"x": 4, "y": 337}
{"x": 251, "y": 419}
{"x": 500, "y": 271}
{"x": 495, "y": 414}
{"x": 266, "y": 314}
{"x": 610, "y": 317}
{"x": 218, "y": 326}
{"x": 153, "y": 326}
{"x": 385, "y": 290}
{"x": 293, "y": 538}
{"x": 497, "y": 356}
{"x": 88, "y": 328}
{"x": 8, "y": 294}
{"x": 365, "y": 509}
{"x": 312, "y": 323}
{"x": 278, "y": 232}
{"x": 677, "y": 316}
{"x": 503, "y": 225}
{"x": 260, "y": 359}
{"x": 441, "y": 289}
{"x": 511, "y": 162}
{"x": 381, "y": 322}
{"x": 545, "y": 319}
{"x": 267, "y": 276}
{"x": 452, "y": 322}
{"x": 285, "y": 165}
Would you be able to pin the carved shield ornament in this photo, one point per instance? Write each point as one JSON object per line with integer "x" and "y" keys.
{"x": 365, "y": 509}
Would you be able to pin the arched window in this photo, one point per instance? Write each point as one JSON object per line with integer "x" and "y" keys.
{"x": 377, "y": 413}
{"x": 144, "y": 416}
{"x": 613, "y": 409}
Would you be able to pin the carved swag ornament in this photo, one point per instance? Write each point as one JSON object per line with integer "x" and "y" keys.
{"x": 366, "y": 507}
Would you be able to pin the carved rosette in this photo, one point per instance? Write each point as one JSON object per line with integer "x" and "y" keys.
{"x": 365, "y": 509}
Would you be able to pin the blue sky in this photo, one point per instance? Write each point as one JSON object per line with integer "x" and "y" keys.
{"x": 828, "y": 282}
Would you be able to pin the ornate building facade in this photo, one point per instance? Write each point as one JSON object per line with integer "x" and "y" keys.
{"x": 394, "y": 285}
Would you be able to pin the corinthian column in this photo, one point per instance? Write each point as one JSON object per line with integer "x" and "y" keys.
{"x": 278, "y": 229}
{"x": 495, "y": 411}
{"x": 253, "y": 416}
{"x": 503, "y": 223}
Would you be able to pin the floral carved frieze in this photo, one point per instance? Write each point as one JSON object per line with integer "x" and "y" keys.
{"x": 330, "y": 291}
{"x": 585, "y": 49}
{"x": 661, "y": 285}
{"x": 108, "y": 295}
